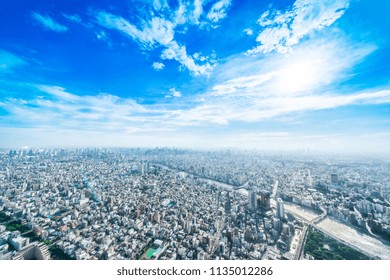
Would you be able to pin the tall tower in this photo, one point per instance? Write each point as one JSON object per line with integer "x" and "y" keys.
{"x": 265, "y": 199}
{"x": 280, "y": 208}
{"x": 147, "y": 167}
{"x": 141, "y": 168}
{"x": 228, "y": 205}
{"x": 252, "y": 199}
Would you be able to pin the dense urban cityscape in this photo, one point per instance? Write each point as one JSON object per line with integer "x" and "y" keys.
{"x": 172, "y": 204}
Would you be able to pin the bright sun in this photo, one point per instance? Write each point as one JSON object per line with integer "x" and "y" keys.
{"x": 298, "y": 76}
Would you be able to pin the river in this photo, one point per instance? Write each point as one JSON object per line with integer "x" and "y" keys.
{"x": 363, "y": 241}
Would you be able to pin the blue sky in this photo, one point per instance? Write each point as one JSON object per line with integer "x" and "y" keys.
{"x": 272, "y": 75}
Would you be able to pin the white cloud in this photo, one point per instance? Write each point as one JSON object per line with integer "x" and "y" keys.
{"x": 59, "y": 109}
{"x": 180, "y": 15}
{"x": 161, "y": 24}
{"x": 244, "y": 89}
{"x": 161, "y": 31}
{"x": 223, "y": 111}
{"x": 254, "y": 89}
{"x": 60, "y": 93}
{"x": 158, "y": 66}
{"x": 175, "y": 93}
{"x": 48, "y": 23}
{"x": 100, "y": 103}
{"x": 160, "y": 4}
{"x": 219, "y": 10}
{"x": 9, "y": 61}
{"x": 193, "y": 12}
{"x": 282, "y": 30}
{"x": 310, "y": 66}
{"x": 102, "y": 36}
{"x": 179, "y": 53}
{"x": 198, "y": 10}
{"x": 248, "y": 31}
{"x": 157, "y": 32}
{"x": 72, "y": 18}
{"x": 244, "y": 82}
{"x": 103, "y": 117}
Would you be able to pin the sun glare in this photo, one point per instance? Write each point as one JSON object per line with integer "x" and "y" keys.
{"x": 298, "y": 76}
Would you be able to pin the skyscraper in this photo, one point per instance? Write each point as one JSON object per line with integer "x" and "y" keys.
{"x": 252, "y": 199}
{"x": 265, "y": 198}
{"x": 280, "y": 208}
{"x": 228, "y": 205}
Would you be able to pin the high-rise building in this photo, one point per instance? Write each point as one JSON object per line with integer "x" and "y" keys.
{"x": 280, "y": 208}
{"x": 276, "y": 224}
{"x": 228, "y": 205}
{"x": 252, "y": 199}
{"x": 147, "y": 167}
{"x": 222, "y": 248}
{"x": 140, "y": 168}
{"x": 265, "y": 200}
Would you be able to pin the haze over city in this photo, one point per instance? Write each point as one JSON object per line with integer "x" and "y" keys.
{"x": 269, "y": 75}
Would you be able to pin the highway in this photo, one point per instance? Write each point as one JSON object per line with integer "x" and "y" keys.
{"x": 299, "y": 251}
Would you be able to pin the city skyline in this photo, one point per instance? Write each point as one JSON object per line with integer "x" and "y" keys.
{"x": 171, "y": 204}
{"x": 268, "y": 75}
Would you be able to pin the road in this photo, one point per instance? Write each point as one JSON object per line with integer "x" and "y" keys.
{"x": 302, "y": 239}
{"x": 301, "y": 243}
